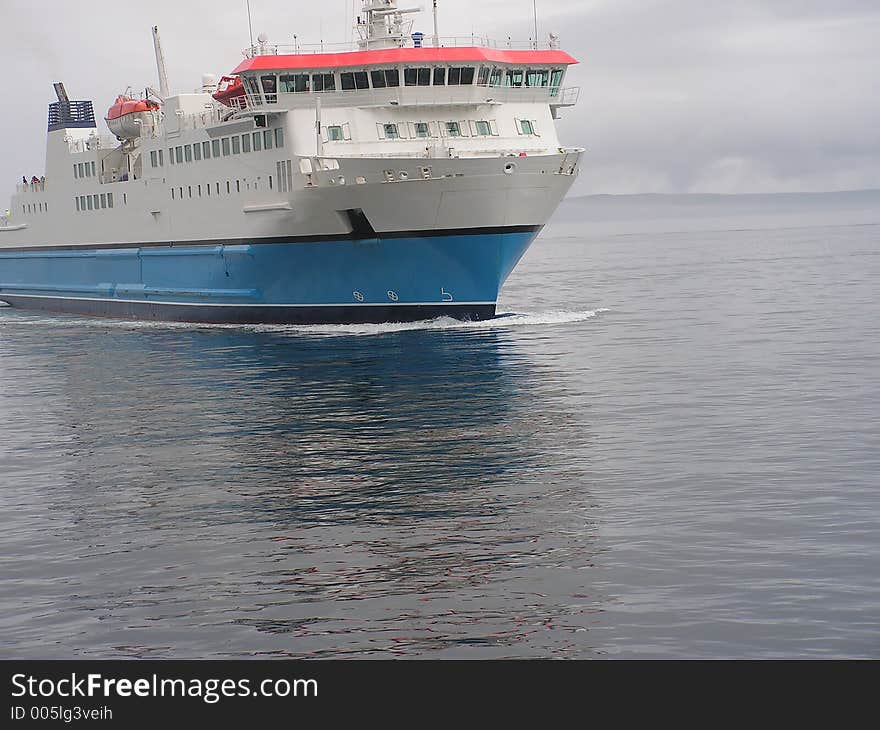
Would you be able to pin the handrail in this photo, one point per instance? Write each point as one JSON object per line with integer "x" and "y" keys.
{"x": 471, "y": 41}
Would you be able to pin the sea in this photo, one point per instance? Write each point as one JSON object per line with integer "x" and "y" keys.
{"x": 666, "y": 446}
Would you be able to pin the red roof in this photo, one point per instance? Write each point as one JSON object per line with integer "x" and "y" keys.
{"x": 355, "y": 59}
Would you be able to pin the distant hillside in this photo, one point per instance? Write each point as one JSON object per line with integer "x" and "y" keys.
{"x": 604, "y": 214}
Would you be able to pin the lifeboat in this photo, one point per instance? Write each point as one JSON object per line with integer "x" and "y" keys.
{"x": 230, "y": 92}
{"x": 126, "y": 117}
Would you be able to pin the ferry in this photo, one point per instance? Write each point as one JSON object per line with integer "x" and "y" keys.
{"x": 399, "y": 178}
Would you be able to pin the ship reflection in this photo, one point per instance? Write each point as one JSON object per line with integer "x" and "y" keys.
{"x": 327, "y": 491}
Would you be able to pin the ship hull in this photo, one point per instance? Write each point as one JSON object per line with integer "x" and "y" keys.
{"x": 384, "y": 278}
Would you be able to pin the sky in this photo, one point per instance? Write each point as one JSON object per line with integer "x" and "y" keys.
{"x": 677, "y": 96}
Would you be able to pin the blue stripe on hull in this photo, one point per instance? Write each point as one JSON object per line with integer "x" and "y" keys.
{"x": 371, "y": 280}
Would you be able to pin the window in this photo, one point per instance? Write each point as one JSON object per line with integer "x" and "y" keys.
{"x": 188, "y": 153}
{"x": 103, "y": 200}
{"x": 354, "y": 80}
{"x": 279, "y": 138}
{"x": 453, "y": 129}
{"x": 76, "y": 200}
{"x": 190, "y": 190}
{"x": 206, "y": 150}
{"x": 514, "y": 77}
{"x": 334, "y": 133}
{"x": 483, "y": 79}
{"x": 382, "y": 78}
{"x": 270, "y": 182}
{"x": 172, "y": 193}
{"x": 269, "y": 88}
{"x": 82, "y": 202}
{"x": 267, "y": 139}
{"x": 236, "y": 145}
{"x": 245, "y": 143}
{"x": 81, "y": 171}
{"x": 422, "y": 130}
{"x": 94, "y": 174}
{"x": 440, "y": 76}
{"x": 257, "y": 139}
{"x": 208, "y": 189}
{"x": 178, "y": 155}
{"x": 154, "y": 159}
{"x": 417, "y": 77}
{"x": 555, "y": 81}
{"x": 535, "y": 77}
{"x": 109, "y": 200}
{"x": 96, "y": 200}
{"x": 200, "y": 191}
{"x": 161, "y": 158}
{"x": 228, "y": 188}
{"x": 526, "y": 127}
{"x": 238, "y": 186}
{"x": 197, "y": 152}
{"x": 294, "y": 83}
{"x": 180, "y": 190}
{"x": 483, "y": 129}
{"x": 89, "y": 201}
{"x": 324, "y": 82}
{"x": 391, "y": 131}
{"x": 170, "y": 155}
{"x": 125, "y": 198}
{"x": 224, "y": 143}
{"x": 75, "y": 174}
{"x": 215, "y": 148}
{"x": 88, "y": 170}
{"x": 461, "y": 76}
{"x": 218, "y": 188}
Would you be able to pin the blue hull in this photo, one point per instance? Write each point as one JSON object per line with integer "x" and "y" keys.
{"x": 402, "y": 277}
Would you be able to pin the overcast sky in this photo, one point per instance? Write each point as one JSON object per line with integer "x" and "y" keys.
{"x": 677, "y": 95}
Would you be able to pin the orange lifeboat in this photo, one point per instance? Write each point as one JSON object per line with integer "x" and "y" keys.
{"x": 126, "y": 117}
{"x": 230, "y": 92}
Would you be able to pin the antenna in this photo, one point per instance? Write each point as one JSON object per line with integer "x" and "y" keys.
{"x": 160, "y": 64}
{"x": 436, "y": 36}
{"x": 250, "y": 23}
{"x": 535, "y": 8}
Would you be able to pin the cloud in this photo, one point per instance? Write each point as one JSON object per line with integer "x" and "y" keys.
{"x": 677, "y": 95}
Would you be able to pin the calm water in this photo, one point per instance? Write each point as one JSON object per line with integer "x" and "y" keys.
{"x": 671, "y": 450}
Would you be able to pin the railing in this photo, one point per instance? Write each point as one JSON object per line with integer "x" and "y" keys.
{"x": 31, "y": 187}
{"x": 416, "y": 96}
{"x": 470, "y": 41}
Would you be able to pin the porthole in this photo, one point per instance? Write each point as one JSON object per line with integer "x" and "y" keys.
{"x": 403, "y": 175}
{"x": 510, "y": 168}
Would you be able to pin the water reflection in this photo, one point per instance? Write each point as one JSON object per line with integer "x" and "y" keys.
{"x": 228, "y": 492}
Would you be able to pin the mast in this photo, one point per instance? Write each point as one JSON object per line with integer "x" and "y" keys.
{"x": 160, "y": 64}
{"x": 436, "y": 35}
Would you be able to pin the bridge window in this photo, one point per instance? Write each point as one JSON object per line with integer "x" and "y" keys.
{"x": 453, "y": 129}
{"x": 555, "y": 80}
{"x": 440, "y": 76}
{"x": 417, "y": 77}
{"x": 514, "y": 77}
{"x": 294, "y": 83}
{"x": 526, "y": 127}
{"x": 461, "y": 76}
{"x": 324, "y": 82}
{"x": 270, "y": 87}
{"x": 535, "y": 77}
{"x": 483, "y": 79}
{"x": 391, "y": 131}
{"x": 422, "y": 130}
{"x": 334, "y": 133}
{"x": 352, "y": 80}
